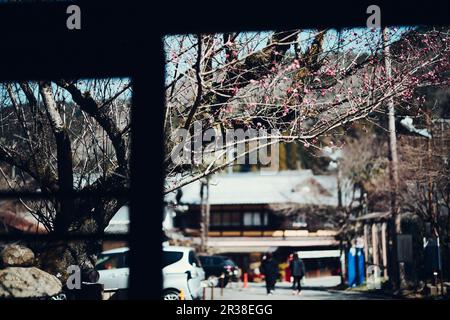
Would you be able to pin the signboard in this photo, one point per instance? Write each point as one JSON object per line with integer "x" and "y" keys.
{"x": 404, "y": 248}
{"x": 319, "y": 254}
{"x": 431, "y": 255}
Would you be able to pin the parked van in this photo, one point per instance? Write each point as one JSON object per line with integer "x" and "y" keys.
{"x": 182, "y": 272}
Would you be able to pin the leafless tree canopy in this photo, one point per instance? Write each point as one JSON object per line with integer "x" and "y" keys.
{"x": 63, "y": 136}
{"x": 303, "y": 83}
{"x": 425, "y": 172}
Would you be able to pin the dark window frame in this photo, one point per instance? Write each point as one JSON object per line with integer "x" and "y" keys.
{"x": 139, "y": 55}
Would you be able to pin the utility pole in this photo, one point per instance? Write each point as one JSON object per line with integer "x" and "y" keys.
{"x": 204, "y": 221}
{"x": 207, "y": 213}
{"x": 397, "y": 268}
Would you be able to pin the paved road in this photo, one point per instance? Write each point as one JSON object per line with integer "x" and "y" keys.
{"x": 314, "y": 289}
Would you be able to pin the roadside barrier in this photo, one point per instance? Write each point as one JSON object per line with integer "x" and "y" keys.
{"x": 182, "y": 296}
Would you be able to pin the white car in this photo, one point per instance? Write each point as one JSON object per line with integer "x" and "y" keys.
{"x": 182, "y": 272}
{"x": 112, "y": 266}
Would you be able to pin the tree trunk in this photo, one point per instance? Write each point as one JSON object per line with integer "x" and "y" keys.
{"x": 56, "y": 257}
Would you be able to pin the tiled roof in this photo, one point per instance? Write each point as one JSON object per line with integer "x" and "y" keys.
{"x": 120, "y": 222}
{"x": 17, "y": 217}
{"x": 300, "y": 187}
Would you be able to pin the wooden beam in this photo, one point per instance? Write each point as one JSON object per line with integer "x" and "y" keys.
{"x": 384, "y": 248}
{"x": 376, "y": 260}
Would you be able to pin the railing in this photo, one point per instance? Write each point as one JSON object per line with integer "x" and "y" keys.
{"x": 272, "y": 233}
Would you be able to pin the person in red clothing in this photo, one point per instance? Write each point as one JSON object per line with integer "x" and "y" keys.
{"x": 287, "y": 270}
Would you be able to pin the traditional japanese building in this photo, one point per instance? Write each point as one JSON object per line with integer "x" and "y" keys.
{"x": 251, "y": 213}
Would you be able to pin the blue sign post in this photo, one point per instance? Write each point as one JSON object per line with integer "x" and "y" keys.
{"x": 361, "y": 268}
{"x": 351, "y": 266}
{"x": 356, "y": 267}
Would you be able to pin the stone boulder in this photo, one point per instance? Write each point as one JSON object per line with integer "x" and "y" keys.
{"x": 18, "y": 282}
{"x": 16, "y": 256}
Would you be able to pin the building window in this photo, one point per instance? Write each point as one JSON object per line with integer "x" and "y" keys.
{"x": 299, "y": 221}
{"x": 235, "y": 219}
{"x": 248, "y": 219}
{"x": 226, "y": 219}
{"x": 266, "y": 219}
{"x": 256, "y": 219}
{"x": 231, "y": 219}
{"x": 215, "y": 219}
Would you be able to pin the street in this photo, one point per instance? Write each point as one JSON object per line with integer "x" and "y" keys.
{"x": 314, "y": 289}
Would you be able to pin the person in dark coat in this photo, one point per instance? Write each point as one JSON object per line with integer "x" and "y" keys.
{"x": 270, "y": 270}
{"x": 298, "y": 272}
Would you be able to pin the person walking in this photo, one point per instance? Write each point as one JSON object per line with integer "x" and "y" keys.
{"x": 270, "y": 270}
{"x": 298, "y": 272}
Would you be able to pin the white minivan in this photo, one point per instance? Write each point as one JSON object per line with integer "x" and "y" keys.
{"x": 112, "y": 266}
{"x": 182, "y": 271}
